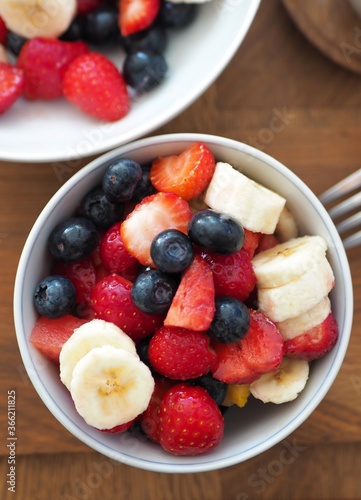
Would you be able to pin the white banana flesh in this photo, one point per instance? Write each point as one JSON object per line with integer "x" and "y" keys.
{"x": 293, "y": 327}
{"x": 283, "y": 385}
{"x": 38, "y": 18}
{"x": 232, "y": 193}
{"x": 288, "y": 261}
{"x": 287, "y": 227}
{"x": 95, "y": 333}
{"x": 110, "y": 387}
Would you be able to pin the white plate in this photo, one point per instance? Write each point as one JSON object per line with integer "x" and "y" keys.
{"x": 43, "y": 131}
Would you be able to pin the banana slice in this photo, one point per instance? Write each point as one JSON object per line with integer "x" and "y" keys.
{"x": 110, "y": 387}
{"x": 288, "y": 261}
{"x": 96, "y": 333}
{"x": 32, "y": 18}
{"x": 297, "y": 296}
{"x": 287, "y": 227}
{"x": 291, "y": 328}
{"x": 283, "y": 385}
{"x": 253, "y": 205}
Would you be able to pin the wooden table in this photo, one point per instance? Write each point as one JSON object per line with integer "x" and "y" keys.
{"x": 275, "y": 72}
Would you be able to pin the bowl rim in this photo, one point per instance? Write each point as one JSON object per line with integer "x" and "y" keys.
{"x": 338, "y": 353}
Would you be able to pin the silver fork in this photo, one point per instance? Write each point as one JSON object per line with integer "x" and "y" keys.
{"x": 342, "y": 188}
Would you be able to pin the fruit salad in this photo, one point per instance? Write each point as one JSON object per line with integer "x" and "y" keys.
{"x": 51, "y": 50}
{"x": 179, "y": 288}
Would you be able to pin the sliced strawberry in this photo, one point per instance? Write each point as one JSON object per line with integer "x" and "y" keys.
{"x": 11, "y": 85}
{"x": 93, "y": 84}
{"x": 267, "y": 241}
{"x": 259, "y": 351}
{"x": 44, "y": 62}
{"x": 3, "y": 31}
{"x": 113, "y": 254}
{"x": 180, "y": 354}
{"x": 82, "y": 274}
{"x": 49, "y": 335}
{"x": 233, "y": 274}
{"x": 193, "y": 305}
{"x": 187, "y": 174}
{"x": 111, "y": 301}
{"x": 119, "y": 428}
{"x": 251, "y": 240}
{"x": 137, "y": 15}
{"x": 149, "y": 419}
{"x": 86, "y": 6}
{"x": 190, "y": 422}
{"x": 154, "y": 214}
{"x": 314, "y": 343}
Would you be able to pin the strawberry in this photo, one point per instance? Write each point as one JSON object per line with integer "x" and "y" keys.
{"x": 190, "y": 422}
{"x": 193, "y": 304}
{"x": 187, "y": 174}
{"x": 113, "y": 254}
{"x": 137, "y": 15}
{"x": 3, "y": 31}
{"x": 180, "y": 354}
{"x": 111, "y": 300}
{"x": 93, "y": 84}
{"x": 82, "y": 274}
{"x": 267, "y": 241}
{"x": 259, "y": 351}
{"x": 44, "y": 61}
{"x": 314, "y": 343}
{"x": 149, "y": 419}
{"x": 233, "y": 274}
{"x": 49, "y": 335}
{"x": 152, "y": 215}
{"x": 86, "y": 6}
{"x": 119, "y": 428}
{"x": 11, "y": 85}
{"x": 251, "y": 240}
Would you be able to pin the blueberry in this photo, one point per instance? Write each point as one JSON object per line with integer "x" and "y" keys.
{"x": 101, "y": 26}
{"x": 120, "y": 180}
{"x": 153, "y": 38}
{"x": 177, "y": 15}
{"x": 144, "y": 187}
{"x": 14, "y": 43}
{"x": 54, "y": 297}
{"x": 153, "y": 291}
{"x": 144, "y": 70}
{"x": 215, "y": 388}
{"x": 75, "y": 31}
{"x": 172, "y": 251}
{"x": 216, "y": 232}
{"x": 102, "y": 212}
{"x": 73, "y": 239}
{"x": 231, "y": 320}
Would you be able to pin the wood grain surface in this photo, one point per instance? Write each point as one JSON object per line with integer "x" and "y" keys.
{"x": 276, "y": 72}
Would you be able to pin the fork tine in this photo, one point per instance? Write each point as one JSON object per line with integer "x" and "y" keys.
{"x": 352, "y": 241}
{"x": 349, "y": 223}
{"x": 348, "y": 184}
{"x": 346, "y": 206}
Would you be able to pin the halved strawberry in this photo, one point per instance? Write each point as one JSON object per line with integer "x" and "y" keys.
{"x": 251, "y": 240}
{"x": 314, "y": 343}
{"x": 3, "y": 31}
{"x": 137, "y": 15}
{"x": 82, "y": 274}
{"x": 11, "y": 85}
{"x": 193, "y": 305}
{"x": 49, "y": 335}
{"x": 111, "y": 301}
{"x": 152, "y": 215}
{"x": 267, "y": 241}
{"x": 259, "y": 351}
{"x": 187, "y": 174}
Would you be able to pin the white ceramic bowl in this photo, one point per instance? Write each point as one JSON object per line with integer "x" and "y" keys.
{"x": 43, "y": 131}
{"x": 256, "y": 427}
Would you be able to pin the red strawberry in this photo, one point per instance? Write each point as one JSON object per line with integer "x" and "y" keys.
{"x": 11, "y": 85}
{"x": 111, "y": 300}
{"x": 151, "y": 216}
{"x": 82, "y": 274}
{"x": 233, "y": 274}
{"x": 49, "y": 335}
{"x": 187, "y": 174}
{"x": 314, "y": 343}
{"x": 149, "y": 419}
{"x": 44, "y": 62}
{"x": 266, "y": 241}
{"x": 3, "y": 31}
{"x": 259, "y": 351}
{"x": 137, "y": 15}
{"x": 193, "y": 305}
{"x": 86, "y": 6}
{"x": 93, "y": 84}
{"x": 180, "y": 354}
{"x": 190, "y": 422}
{"x": 251, "y": 241}
{"x": 119, "y": 428}
{"x": 113, "y": 254}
